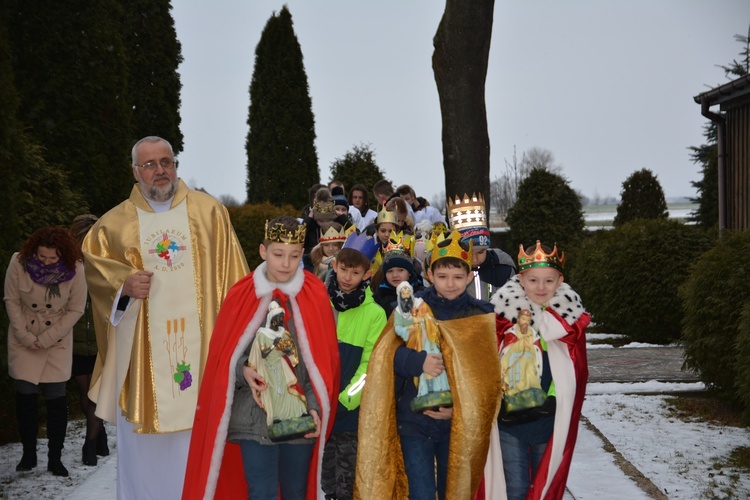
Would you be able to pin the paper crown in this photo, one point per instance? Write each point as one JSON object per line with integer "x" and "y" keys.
{"x": 441, "y": 246}
{"x": 278, "y": 234}
{"x": 387, "y": 216}
{"x": 539, "y": 258}
{"x": 331, "y": 235}
{"x": 400, "y": 242}
{"x": 368, "y": 245}
{"x": 469, "y": 217}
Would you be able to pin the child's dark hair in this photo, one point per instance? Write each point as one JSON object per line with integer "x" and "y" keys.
{"x": 289, "y": 225}
{"x": 352, "y": 258}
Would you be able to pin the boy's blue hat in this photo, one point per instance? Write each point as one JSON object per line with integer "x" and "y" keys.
{"x": 397, "y": 259}
{"x": 367, "y": 245}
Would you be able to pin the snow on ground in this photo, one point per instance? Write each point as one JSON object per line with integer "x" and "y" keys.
{"x": 684, "y": 460}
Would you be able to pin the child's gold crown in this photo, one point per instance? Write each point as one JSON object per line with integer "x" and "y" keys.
{"x": 400, "y": 242}
{"x": 539, "y": 258}
{"x": 441, "y": 246}
{"x": 323, "y": 207}
{"x": 331, "y": 235}
{"x": 387, "y": 216}
{"x": 277, "y": 234}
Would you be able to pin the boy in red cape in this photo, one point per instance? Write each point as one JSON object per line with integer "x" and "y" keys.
{"x": 218, "y": 467}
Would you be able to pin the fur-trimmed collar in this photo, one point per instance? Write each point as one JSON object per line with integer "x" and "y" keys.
{"x": 511, "y": 298}
{"x": 264, "y": 287}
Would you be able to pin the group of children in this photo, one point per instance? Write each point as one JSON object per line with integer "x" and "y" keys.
{"x": 383, "y": 376}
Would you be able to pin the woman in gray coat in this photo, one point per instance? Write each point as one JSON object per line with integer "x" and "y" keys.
{"x": 45, "y": 294}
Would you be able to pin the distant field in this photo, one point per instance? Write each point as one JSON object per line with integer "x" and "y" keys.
{"x": 601, "y": 216}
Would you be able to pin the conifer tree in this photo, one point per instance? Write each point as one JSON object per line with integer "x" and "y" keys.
{"x": 707, "y": 156}
{"x": 641, "y": 198}
{"x": 358, "y": 166}
{"x": 546, "y": 209}
{"x": 282, "y": 162}
{"x": 71, "y": 75}
{"x": 154, "y": 54}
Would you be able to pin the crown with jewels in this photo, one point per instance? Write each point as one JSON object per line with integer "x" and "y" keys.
{"x": 387, "y": 216}
{"x": 368, "y": 245}
{"x": 468, "y": 215}
{"x": 277, "y": 234}
{"x": 539, "y": 258}
{"x": 323, "y": 207}
{"x": 331, "y": 235}
{"x": 444, "y": 245}
{"x": 400, "y": 242}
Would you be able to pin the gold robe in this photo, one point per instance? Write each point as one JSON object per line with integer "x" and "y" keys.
{"x": 469, "y": 348}
{"x": 112, "y": 253}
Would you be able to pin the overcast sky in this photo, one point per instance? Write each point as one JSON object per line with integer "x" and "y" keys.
{"x": 606, "y": 86}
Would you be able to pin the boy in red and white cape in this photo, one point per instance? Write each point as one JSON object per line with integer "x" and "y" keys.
{"x": 230, "y": 451}
{"x": 537, "y": 444}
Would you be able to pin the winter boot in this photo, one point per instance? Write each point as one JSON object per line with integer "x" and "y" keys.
{"x": 89, "y": 452}
{"x": 27, "y": 414}
{"x": 57, "y": 425}
{"x": 102, "y": 449}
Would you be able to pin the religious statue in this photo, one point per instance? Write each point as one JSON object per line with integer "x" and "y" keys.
{"x": 274, "y": 356}
{"x": 414, "y": 322}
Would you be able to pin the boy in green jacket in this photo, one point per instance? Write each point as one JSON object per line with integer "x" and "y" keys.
{"x": 359, "y": 321}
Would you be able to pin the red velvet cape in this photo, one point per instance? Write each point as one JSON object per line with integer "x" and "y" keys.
{"x": 214, "y": 461}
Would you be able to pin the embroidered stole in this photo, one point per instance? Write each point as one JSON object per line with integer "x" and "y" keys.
{"x": 174, "y": 327}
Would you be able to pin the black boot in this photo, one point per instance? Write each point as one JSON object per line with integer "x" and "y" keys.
{"x": 89, "y": 452}
{"x": 57, "y": 425}
{"x": 27, "y": 414}
{"x": 102, "y": 449}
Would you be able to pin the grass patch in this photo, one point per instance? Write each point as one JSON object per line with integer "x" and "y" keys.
{"x": 614, "y": 341}
{"x": 705, "y": 407}
{"x": 740, "y": 458}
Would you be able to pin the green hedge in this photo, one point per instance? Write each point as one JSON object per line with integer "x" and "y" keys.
{"x": 713, "y": 298}
{"x": 742, "y": 363}
{"x": 249, "y": 223}
{"x": 628, "y": 277}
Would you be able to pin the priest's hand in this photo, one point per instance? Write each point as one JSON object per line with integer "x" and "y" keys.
{"x": 316, "y": 419}
{"x": 256, "y": 382}
{"x": 442, "y": 413}
{"x": 138, "y": 285}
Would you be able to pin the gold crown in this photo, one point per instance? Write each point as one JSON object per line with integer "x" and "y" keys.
{"x": 331, "y": 235}
{"x": 323, "y": 207}
{"x": 467, "y": 212}
{"x": 400, "y": 242}
{"x": 387, "y": 216}
{"x": 539, "y": 258}
{"x": 277, "y": 234}
{"x": 441, "y": 246}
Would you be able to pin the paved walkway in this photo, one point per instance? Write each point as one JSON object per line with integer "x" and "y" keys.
{"x": 638, "y": 364}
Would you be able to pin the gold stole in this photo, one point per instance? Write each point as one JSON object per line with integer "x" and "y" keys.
{"x": 174, "y": 328}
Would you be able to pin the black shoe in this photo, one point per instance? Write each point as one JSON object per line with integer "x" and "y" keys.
{"x": 56, "y": 467}
{"x": 89, "y": 452}
{"x": 102, "y": 449}
{"x": 28, "y": 462}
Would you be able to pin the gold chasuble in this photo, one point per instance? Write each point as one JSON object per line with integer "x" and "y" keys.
{"x": 469, "y": 348}
{"x": 150, "y": 363}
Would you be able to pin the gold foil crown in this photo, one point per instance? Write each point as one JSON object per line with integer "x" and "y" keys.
{"x": 467, "y": 212}
{"x": 323, "y": 207}
{"x": 387, "y": 216}
{"x": 400, "y": 242}
{"x": 278, "y": 234}
{"x": 441, "y": 246}
{"x": 539, "y": 258}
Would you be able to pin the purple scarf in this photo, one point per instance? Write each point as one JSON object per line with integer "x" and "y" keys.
{"x": 50, "y": 276}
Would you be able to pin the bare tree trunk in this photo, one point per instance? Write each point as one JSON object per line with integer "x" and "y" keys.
{"x": 462, "y": 48}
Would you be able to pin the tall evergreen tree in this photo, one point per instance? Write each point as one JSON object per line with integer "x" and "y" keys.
{"x": 358, "y": 166}
{"x": 71, "y": 74}
{"x": 546, "y": 209}
{"x": 282, "y": 162}
{"x": 641, "y": 198}
{"x": 154, "y": 54}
